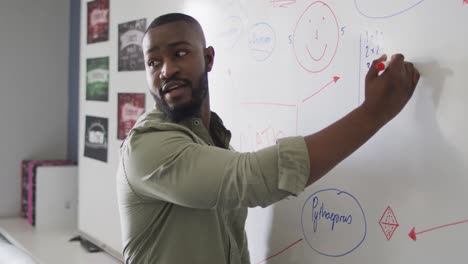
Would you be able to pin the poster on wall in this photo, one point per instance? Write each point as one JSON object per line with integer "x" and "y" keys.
{"x": 98, "y": 21}
{"x": 96, "y": 138}
{"x": 130, "y": 107}
{"x": 97, "y": 79}
{"x": 130, "y": 50}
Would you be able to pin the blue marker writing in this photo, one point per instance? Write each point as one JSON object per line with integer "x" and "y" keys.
{"x": 323, "y": 213}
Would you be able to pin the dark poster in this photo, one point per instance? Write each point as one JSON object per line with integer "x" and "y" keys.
{"x": 98, "y": 21}
{"x": 130, "y": 50}
{"x": 96, "y": 138}
{"x": 97, "y": 79}
{"x": 130, "y": 107}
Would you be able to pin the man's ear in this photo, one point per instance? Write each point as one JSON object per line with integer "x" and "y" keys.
{"x": 209, "y": 58}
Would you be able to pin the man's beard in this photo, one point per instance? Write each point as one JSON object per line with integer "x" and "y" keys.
{"x": 188, "y": 109}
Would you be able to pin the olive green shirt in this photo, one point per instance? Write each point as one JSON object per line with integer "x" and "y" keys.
{"x": 183, "y": 193}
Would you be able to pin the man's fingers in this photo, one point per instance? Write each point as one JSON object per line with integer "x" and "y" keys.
{"x": 412, "y": 72}
{"x": 416, "y": 76}
{"x": 397, "y": 65}
{"x": 409, "y": 67}
{"x": 397, "y": 59}
{"x": 374, "y": 71}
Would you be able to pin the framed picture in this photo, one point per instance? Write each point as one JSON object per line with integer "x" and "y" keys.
{"x": 96, "y": 138}
{"x": 130, "y": 52}
{"x": 130, "y": 107}
{"x": 97, "y": 79}
{"x": 98, "y": 21}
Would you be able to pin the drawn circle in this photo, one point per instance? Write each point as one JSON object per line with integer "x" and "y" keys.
{"x": 316, "y": 37}
{"x": 333, "y": 232}
{"x": 262, "y": 41}
{"x": 378, "y": 8}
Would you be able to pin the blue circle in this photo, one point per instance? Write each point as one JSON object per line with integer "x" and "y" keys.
{"x": 338, "y": 193}
{"x": 273, "y": 35}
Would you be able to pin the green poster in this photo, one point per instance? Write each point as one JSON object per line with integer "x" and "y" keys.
{"x": 97, "y": 79}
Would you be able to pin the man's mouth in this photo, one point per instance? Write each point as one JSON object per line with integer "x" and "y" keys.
{"x": 173, "y": 85}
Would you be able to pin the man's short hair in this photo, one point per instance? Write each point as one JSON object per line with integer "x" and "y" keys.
{"x": 176, "y": 17}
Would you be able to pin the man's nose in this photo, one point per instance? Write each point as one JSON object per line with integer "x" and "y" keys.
{"x": 169, "y": 69}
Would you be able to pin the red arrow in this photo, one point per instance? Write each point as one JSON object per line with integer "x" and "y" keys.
{"x": 335, "y": 79}
{"x": 412, "y": 234}
{"x": 272, "y": 256}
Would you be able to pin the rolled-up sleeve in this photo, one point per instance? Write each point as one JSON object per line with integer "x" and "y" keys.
{"x": 170, "y": 166}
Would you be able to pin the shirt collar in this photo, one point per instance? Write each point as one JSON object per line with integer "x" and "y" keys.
{"x": 216, "y": 135}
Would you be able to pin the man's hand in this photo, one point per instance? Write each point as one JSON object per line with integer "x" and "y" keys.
{"x": 386, "y": 94}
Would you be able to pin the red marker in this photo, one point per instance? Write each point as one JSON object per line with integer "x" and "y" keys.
{"x": 381, "y": 65}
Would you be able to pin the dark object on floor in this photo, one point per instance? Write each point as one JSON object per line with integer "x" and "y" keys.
{"x": 86, "y": 244}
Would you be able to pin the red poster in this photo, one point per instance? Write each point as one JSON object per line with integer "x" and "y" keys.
{"x": 98, "y": 21}
{"x": 131, "y": 107}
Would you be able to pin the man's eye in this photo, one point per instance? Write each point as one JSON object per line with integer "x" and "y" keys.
{"x": 153, "y": 63}
{"x": 181, "y": 53}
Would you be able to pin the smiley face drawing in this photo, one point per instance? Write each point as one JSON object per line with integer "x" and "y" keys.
{"x": 316, "y": 37}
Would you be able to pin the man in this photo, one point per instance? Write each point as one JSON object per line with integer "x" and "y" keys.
{"x": 183, "y": 194}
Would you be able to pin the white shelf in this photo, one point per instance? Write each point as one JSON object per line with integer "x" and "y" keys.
{"x": 50, "y": 246}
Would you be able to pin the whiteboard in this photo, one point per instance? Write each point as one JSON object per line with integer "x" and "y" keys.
{"x": 285, "y": 68}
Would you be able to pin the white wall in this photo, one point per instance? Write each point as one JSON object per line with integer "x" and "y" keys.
{"x": 33, "y": 89}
